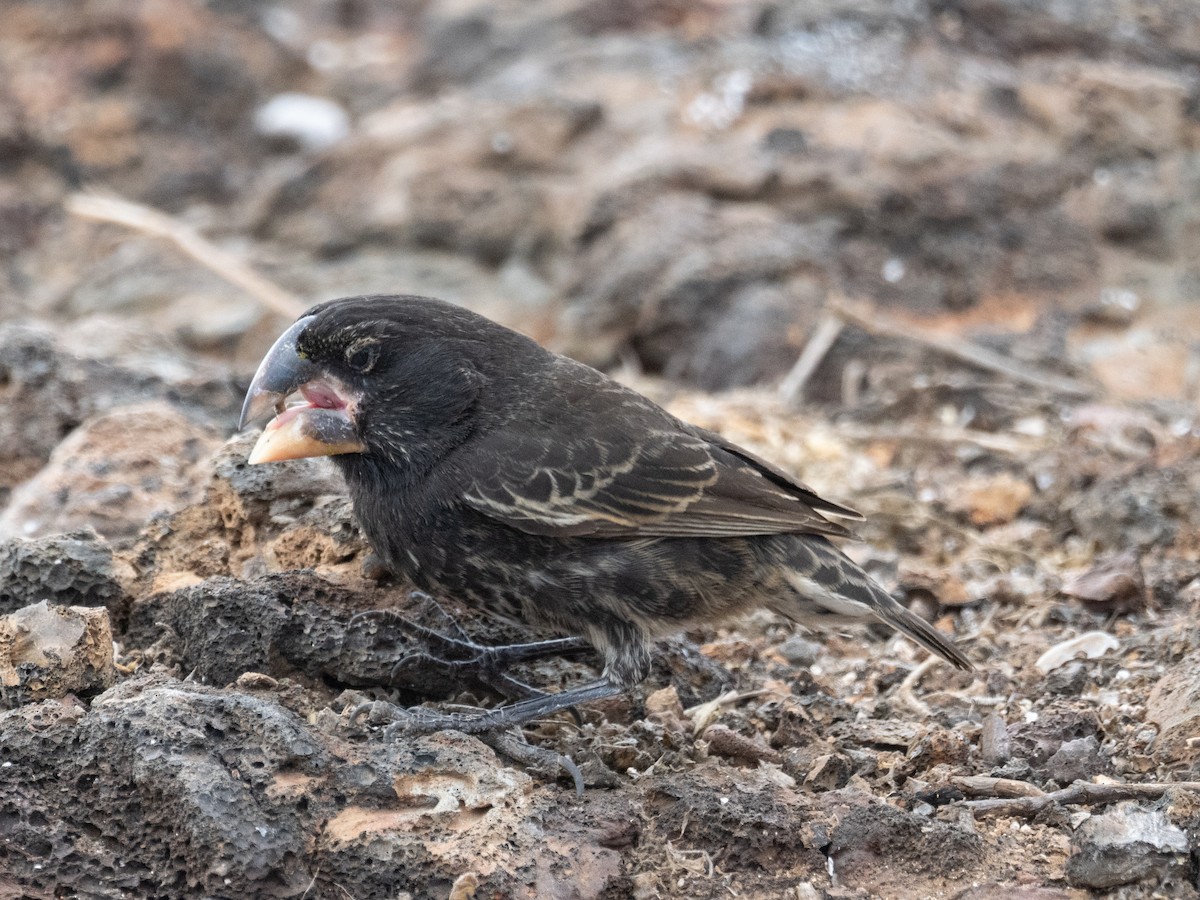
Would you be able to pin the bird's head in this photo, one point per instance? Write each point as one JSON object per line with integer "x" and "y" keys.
{"x": 394, "y": 381}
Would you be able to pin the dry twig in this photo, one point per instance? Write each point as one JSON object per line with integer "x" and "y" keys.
{"x": 904, "y": 693}
{"x": 999, "y": 443}
{"x": 873, "y": 322}
{"x": 119, "y": 211}
{"x": 987, "y": 786}
{"x": 1081, "y": 792}
{"x": 823, "y": 337}
{"x": 703, "y": 714}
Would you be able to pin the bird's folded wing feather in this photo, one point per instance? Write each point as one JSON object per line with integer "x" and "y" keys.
{"x": 659, "y": 483}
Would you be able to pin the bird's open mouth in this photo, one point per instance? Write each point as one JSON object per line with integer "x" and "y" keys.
{"x": 317, "y": 422}
{"x": 313, "y": 395}
{"x": 320, "y": 420}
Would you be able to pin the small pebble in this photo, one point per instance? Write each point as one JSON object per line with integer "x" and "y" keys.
{"x": 1077, "y": 760}
{"x": 800, "y": 651}
{"x": 313, "y": 123}
{"x": 994, "y": 743}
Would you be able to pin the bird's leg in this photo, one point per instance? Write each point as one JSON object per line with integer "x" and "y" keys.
{"x": 512, "y": 743}
{"x": 489, "y": 663}
{"x": 429, "y": 635}
{"x": 419, "y": 720}
{"x": 495, "y": 727}
{"x": 627, "y": 663}
{"x": 459, "y": 656}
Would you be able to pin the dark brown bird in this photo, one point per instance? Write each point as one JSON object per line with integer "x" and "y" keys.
{"x": 484, "y": 467}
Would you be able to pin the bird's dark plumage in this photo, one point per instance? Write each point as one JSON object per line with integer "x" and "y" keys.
{"x": 487, "y": 468}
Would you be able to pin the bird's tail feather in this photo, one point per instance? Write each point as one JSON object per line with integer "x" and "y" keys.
{"x": 912, "y": 625}
{"x": 825, "y": 578}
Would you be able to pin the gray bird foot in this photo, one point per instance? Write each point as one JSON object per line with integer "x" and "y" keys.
{"x": 377, "y": 712}
{"x": 420, "y": 720}
{"x": 459, "y": 658}
{"x": 495, "y": 727}
{"x": 544, "y": 762}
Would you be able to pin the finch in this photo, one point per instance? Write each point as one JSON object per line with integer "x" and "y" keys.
{"x": 486, "y": 468}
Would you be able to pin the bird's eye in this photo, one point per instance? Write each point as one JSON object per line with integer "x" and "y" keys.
{"x": 362, "y": 357}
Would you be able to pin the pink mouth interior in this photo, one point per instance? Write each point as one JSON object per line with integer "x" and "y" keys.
{"x": 322, "y": 396}
{"x": 316, "y": 396}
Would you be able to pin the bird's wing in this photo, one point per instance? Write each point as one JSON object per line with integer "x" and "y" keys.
{"x": 779, "y": 477}
{"x": 655, "y": 477}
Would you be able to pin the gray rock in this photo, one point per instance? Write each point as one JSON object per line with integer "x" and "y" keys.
{"x": 994, "y": 744}
{"x": 1037, "y": 741}
{"x": 74, "y": 569}
{"x": 1125, "y": 845}
{"x": 282, "y": 625}
{"x": 1174, "y": 706}
{"x": 1068, "y": 680}
{"x": 876, "y": 833}
{"x": 113, "y": 473}
{"x": 829, "y": 772}
{"x": 1076, "y": 760}
{"x": 169, "y": 788}
{"x": 666, "y": 273}
{"x": 800, "y": 651}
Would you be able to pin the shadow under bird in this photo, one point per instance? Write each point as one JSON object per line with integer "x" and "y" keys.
{"x": 486, "y": 468}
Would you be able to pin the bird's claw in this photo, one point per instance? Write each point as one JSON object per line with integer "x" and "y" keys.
{"x": 370, "y": 709}
{"x": 424, "y": 603}
{"x": 404, "y": 724}
{"x": 507, "y": 741}
{"x": 411, "y": 661}
{"x": 406, "y": 720}
{"x": 495, "y": 727}
{"x": 510, "y": 743}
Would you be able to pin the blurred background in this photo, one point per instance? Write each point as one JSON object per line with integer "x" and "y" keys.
{"x": 679, "y": 187}
{"x": 914, "y": 217}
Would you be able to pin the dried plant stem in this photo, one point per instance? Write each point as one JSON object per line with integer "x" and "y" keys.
{"x": 904, "y": 693}
{"x": 873, "y": 322}
{"x": 1081, "y": 792}
{"x": 999, "y": 443}
{"x": 119, "y": 211}
{"x": 988, "y": 786}
{"x": 823, "y": 337}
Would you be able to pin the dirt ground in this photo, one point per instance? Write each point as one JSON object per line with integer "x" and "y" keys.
{"x": 940, "y": 259}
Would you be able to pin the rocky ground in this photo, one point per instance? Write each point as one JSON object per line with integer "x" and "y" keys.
{"x": 939, "y": 258}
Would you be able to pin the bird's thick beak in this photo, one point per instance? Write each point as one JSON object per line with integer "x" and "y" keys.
{"x": 321, "y": 424}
